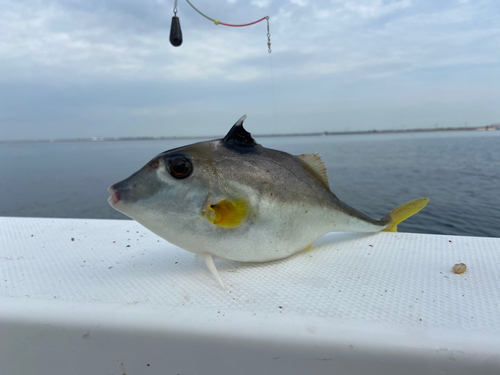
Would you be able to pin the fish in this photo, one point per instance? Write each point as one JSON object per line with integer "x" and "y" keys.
{"x": 234, "y": 199}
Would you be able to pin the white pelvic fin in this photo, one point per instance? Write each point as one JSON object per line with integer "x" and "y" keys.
{"x": 211, "y": 266}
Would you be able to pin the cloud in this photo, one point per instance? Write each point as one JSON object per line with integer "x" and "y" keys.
{"x": 300, "y": 3}
{"x": 102, "y": 40}
{"x": 261, "y": 3}
{"x": 114, "y": 59}
{"x": 44, "y": 40}
{"x": 375, "y": 8}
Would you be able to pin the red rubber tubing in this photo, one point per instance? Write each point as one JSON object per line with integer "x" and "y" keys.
{"x": 246, "y": 24}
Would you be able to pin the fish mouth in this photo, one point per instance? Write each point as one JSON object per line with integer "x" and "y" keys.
{"x": 114, "y": 196}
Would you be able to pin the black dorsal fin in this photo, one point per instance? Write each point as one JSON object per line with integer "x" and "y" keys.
{"x": 239, "y": 136}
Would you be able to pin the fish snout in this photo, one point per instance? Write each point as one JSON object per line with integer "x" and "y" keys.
{"x": 114, "y": 193}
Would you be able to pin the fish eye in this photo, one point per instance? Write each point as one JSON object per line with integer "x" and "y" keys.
{"x": 180, "y": 167}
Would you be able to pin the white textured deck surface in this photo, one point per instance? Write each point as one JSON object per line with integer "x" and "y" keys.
{"x": 110, "y": 297}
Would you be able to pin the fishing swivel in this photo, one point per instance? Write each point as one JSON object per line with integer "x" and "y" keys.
{"x": 268, "y": 37}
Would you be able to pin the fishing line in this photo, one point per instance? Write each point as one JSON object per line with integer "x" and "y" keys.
{"x": 176, "y": 33}
{"x": 217, "y": 22}
{"x": 204, "y": 15}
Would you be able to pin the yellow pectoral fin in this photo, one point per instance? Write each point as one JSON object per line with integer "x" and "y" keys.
{"x": 229, "y": 213}
{"x": 403, "y": 212}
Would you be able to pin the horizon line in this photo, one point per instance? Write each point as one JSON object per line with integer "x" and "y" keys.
{"x": 311, "y": 134}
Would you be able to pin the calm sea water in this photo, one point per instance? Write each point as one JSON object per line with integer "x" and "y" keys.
{"x": 458, "y": 171}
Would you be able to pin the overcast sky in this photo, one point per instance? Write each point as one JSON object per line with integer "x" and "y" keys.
{"x": 83, "y": 68}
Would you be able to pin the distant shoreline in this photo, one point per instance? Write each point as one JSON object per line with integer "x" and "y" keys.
{"x": 313, "y": 134}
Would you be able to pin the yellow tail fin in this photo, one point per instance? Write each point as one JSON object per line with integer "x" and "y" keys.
{"x": 403, "y": 212}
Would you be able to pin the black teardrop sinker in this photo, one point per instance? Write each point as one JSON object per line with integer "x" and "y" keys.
{"x": 175, "y": 32}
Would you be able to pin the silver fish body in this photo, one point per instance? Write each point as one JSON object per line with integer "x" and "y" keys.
{"x": 234, "y": 199}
